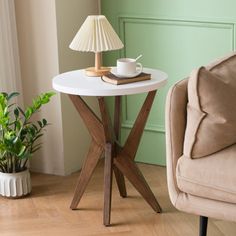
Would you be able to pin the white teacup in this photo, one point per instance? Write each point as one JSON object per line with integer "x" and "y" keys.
{"x": 128, "y": 67}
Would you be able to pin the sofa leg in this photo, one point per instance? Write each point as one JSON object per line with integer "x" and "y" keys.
{"x": 203, "y": 226}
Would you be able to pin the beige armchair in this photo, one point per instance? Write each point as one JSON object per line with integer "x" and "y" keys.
{"x": 203, "y": 186}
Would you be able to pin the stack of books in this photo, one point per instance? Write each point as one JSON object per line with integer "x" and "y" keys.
{"x": 113, "y": 79}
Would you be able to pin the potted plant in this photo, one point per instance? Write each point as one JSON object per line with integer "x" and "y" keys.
{"x": 18, "y": 141}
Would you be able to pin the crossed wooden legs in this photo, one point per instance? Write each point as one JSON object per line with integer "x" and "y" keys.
{"x": 121, "y": 160}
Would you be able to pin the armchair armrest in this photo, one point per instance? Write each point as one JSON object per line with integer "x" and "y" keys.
{"x": 175, "y": 122}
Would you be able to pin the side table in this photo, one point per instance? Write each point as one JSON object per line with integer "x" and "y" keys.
{"x": 105, "y": 137}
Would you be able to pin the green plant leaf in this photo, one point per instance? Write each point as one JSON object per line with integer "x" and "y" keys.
{"x": 50, "y": 94}
{"x": 45, "y": 100}
{"x": 37, "y": 145}
{"x": 44, "y": 122}
{"x": 14, "y": 94}
{"x": 10, "y": 135}
{"x": 35, "y": 149}
{"x": 5, "y": 111}
{"x": 16, "y": 112}
{"x": 38, "y": 136}
{"x": 21, "y": 111}
{"x": 36, "y": 104}
{"x": 40, "y": 124}
{"x": 15, "y": 139}
{"x": 35, "y": 127}
{"x": 18, "y": 125}
{"x": 4, "y": 121}
{"x": 22, "y": 150}
{"x": 5, "y": 95}
{"x": 26, "y": 155}
{"x": 28, "y": 112}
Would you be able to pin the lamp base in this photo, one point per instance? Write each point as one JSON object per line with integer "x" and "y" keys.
{"x": 91, "y": 71}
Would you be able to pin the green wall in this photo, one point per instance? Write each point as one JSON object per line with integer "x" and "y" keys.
{"x": 173, "y": 36}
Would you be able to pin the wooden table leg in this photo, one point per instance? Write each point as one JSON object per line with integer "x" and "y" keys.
{"x": 107, "y": 184}
{"x": 133, "y": 174}
{"x": 120, "y": 180}
{"x": 109, "y": 154}
{"x": 133, "y": 140}
{"x": 125, "y": 160}
{"x": 95, "y": 152}
{"x": 96, "y": 149}
{"x": 92, "y": 122}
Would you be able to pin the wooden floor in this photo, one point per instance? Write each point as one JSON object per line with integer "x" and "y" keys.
{"x": 46, "y": 211}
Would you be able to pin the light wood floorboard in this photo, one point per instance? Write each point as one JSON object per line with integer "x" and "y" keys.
{"x": 46, "y": 211}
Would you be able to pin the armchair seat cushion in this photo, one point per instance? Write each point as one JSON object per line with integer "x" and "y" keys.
{"x": 212, "y": 177}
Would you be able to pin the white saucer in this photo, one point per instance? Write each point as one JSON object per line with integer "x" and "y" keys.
{"x": 114, "y": 72}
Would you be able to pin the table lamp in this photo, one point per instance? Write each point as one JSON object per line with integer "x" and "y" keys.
{"x": 96, "y": 35}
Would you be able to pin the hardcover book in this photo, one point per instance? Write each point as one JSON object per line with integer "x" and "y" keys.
{"x": 113, "y": 79}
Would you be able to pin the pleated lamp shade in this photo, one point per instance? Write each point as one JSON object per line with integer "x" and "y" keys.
{"x": 96, "y": 35}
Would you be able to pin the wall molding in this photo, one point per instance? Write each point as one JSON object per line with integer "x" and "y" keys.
{"x": 162, "y": 21}
{"x": 124, "y": 20}
{"x": 149, "y": 127}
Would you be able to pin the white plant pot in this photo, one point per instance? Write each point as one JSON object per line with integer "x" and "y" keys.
{"x": 15, "y": 184}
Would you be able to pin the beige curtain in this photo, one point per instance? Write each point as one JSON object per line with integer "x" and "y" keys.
{"x": 10, "y": 79}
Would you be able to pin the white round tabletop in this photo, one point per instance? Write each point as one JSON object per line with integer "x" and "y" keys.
{"x": 77, "y": 83}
